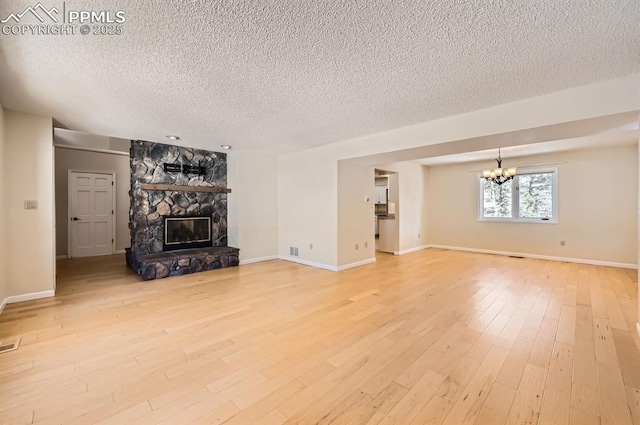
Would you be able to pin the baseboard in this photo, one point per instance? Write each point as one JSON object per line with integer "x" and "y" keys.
{"x": 258, "y": 259}
{"x": 29, "y": 297}
{"x": 540, "y": 257}
{"x": 410, "y": 250}
{"x": 308, "y": 263}
{"x": 357, "y": 264}
{"x": 2, "y": 304}
{"x": 64, "y": 257}
{"x": 326, "y": 266}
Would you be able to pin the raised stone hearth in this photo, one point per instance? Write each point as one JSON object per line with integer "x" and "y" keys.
{"x": 150, "y": 205}
{"x": 177, "y": 263}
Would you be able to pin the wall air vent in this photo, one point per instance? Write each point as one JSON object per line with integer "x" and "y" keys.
{"x": 293, "y": 251}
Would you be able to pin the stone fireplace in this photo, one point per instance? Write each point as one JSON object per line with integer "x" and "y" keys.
{"x": 178, "y": 213}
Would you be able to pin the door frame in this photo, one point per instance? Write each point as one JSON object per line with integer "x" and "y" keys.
{"x": 113, "y": 204}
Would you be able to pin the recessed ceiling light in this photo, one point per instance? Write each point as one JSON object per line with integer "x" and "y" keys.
{"x": 173, "y": 137}
{"x": 225, "y": 147}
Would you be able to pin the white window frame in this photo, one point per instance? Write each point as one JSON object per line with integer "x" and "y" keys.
{"x": 515, "y": 200}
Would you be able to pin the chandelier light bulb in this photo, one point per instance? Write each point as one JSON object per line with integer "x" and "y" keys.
{"x": 499, "y": 175}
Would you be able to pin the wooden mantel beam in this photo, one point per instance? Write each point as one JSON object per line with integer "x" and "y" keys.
{"x": 177, "y": 188}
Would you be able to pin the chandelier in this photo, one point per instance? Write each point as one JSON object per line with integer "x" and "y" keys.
{"x": 499, "y": 175}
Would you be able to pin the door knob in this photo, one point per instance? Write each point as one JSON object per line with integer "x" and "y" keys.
{"x": 75, "y": 218}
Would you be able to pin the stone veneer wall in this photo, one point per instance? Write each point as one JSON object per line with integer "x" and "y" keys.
{"x": 148, "y": 208}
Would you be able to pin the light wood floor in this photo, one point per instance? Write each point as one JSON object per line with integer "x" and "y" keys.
{"x": 430, "y": 337}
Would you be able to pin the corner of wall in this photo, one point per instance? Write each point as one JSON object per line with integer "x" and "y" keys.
{"x": 425, "y": 211}
{"x": 28, "y": 150}
{"x": 253, "y": 205}
{"x": 356, "y": 214}
{"x": 3, "y": 282}
{"x": 308, "y": 206}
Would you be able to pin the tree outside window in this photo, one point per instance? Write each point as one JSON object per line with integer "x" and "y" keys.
{"x": 529, "y": 197}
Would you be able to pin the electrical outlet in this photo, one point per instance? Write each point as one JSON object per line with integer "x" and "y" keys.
{"x": 356, "y": 247}
{"x": 418, "y": 235}
{"x": 30, "y": 205}
{"x": 562, "y": 243}
{"x": 310, "y": 246}
{"x": 366, "y": 244}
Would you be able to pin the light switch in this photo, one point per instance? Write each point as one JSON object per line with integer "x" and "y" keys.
{"x": 30, "y": 205}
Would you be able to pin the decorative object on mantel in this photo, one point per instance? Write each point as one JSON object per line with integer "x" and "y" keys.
{"x": 499, "y": 175}
{"x": 157, "y": 195}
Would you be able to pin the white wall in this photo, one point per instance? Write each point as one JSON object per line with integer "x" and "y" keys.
{"x": 253, "y": 204}
{"x": 308, "y": 206}
{"x": 77, "y": 138}
{"x": 117, "y": 144}
{"x": 598, "y": 201}
{"x": 307, "y": 180}
{"x": 355, "y": 215}
{"x": 411, "y": 208}
{"x": 86, "y": 140}
{"x": 28, "y": 175}
{"x": 3, "y": 179}
{"x": 79, "y": 160}
{"x": 426, "y": 179}
{"x": 355, "y": 225}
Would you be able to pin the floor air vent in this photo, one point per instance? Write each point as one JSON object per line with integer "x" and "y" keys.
{"x": 6, "y": 347}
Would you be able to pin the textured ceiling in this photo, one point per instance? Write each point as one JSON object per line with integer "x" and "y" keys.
{"x": 287, "y": 75}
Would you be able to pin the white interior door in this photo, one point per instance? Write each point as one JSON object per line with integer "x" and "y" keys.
{"x": 90, "y": 214}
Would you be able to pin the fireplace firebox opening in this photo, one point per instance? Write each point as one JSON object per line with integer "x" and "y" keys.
{"x": 185, "y": 232}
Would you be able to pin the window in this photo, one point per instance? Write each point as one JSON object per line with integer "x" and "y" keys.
{"x": 531, "y": 197}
